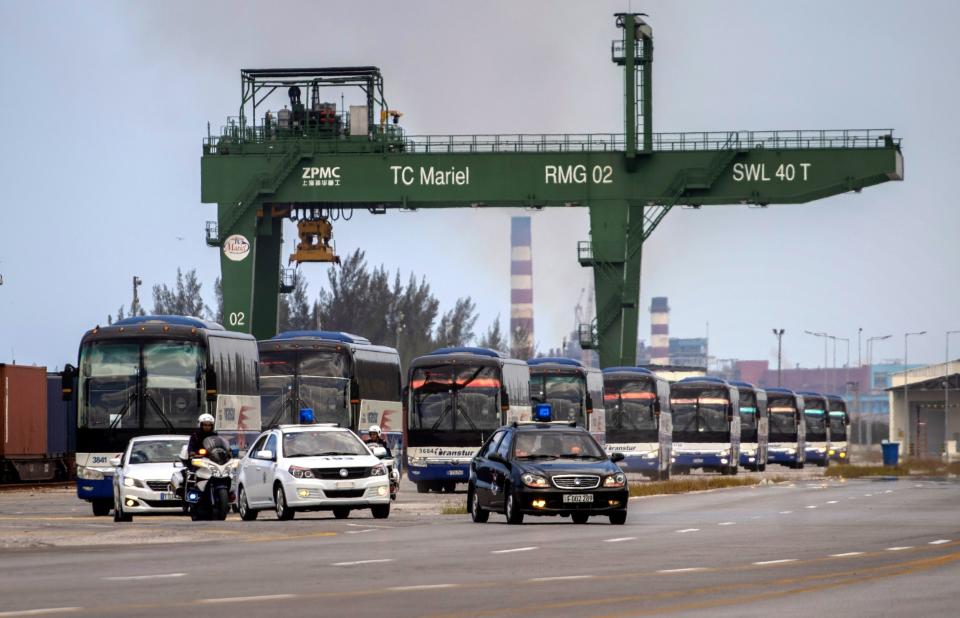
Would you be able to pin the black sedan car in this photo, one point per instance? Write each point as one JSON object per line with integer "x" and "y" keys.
{"x": 546, "y": 469}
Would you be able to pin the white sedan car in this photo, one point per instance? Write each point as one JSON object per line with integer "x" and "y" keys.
{"x": 312, "y": 468}
{"x": 141, "y": 484}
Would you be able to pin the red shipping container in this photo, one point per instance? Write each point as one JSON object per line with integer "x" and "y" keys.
{"x": 23, "y": 411}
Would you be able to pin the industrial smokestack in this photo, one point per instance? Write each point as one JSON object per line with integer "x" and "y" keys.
{"x": 659, "y": 331}
{"x": 521, "y": 287}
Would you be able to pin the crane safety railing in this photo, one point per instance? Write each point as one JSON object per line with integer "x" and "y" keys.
{"x": 392, "y": 139}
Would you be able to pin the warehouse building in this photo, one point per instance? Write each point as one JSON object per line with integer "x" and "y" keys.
{"x": 925, "y": 410}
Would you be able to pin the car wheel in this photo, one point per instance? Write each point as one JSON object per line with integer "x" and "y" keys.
{"x": 284, "y": 512}
{"x": 380, "y": 511}
{"x": 246, "y": 513}
{"x": 580, "y": 518}
{"x": 101, "y": 507}
{"x": 618, "y": 518}
{"x": 341, "y": 512}
{"x": 118, "y": 514}
{"x": 513, "y": 513}
{"x": 478, "y": 514}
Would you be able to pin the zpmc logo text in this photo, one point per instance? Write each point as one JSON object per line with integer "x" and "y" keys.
{"x": 321, "y": 176}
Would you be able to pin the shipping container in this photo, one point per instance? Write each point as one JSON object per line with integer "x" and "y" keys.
{"x": 23, "y": 403}
{"x": 60, "y": 420}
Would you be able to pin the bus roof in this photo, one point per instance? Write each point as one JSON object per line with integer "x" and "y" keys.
{"x": 707, "y": 379}
{"x": 466, "y": 350}
{"x": 328, "y": 335}
{"x": 640, "y": 370}
{"x": 554, "y": 360}
{"x": 777, "y": 390}
{"x": 173, "y": 320}
{"x": 806, "y": 394}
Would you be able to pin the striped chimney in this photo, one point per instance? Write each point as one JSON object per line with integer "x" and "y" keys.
{"x": 659, "y": 331}
{"x": 521, "y": 284}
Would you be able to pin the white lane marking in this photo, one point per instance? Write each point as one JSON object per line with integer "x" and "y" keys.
{"x": 785, "y": 512}
{"x": 764, "y": 562}
{"x": 356, "y": 562}
{"x": 686, "y": 570}
{"x": 560, "y": 578}
{"x": 127, "y": 578}
{"x": 851, "y": 497}
{"x": 727, "y": 523}
{"x": 620, "y": 539}
{"x": 755, "y": 517}
{"x": 422, "y": 587}
{"x": 42, "y": 611}
{"x": 849, "y": 553}
{"x": 510, "y": 551}
{"x": 867, "y": 495}
{"x": 899, "y": 548}
{"x": 939, "y": 542}
{"x": 889, "y": 491}
{"x": 372, "y": 527}
{"x": 265, "y": 597}
{"x": 361, "y": 531}
{"x": 811, "y": 506}
{"x": 689, "y": 530}
{"x": 831, "y": 501}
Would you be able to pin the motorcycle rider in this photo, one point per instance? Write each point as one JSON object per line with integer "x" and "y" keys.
{"x": 204, "y": 430}
{"x": 375, "y": 438}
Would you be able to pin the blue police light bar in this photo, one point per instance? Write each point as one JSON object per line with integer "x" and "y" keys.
{"x": 306, "y": 416}
{"x": 543, "y": 412}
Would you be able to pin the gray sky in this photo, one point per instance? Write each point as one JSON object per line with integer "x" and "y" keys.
{"x": 102, "y": 145}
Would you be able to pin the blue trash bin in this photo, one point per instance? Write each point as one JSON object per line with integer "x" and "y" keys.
{"x": 891, "y": 452}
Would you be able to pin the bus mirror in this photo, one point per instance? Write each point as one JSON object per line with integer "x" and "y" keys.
{"x": 589, "y": 404}
{"x": 67, "y": 378}
{"x": 211, "y": 379}
{"x": 504, "y": 399}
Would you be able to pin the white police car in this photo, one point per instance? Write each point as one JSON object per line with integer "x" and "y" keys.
{"x": 312, "y": 468}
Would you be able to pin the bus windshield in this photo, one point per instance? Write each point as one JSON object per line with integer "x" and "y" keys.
{"x": 783, "y": 419}
{"x": 748, "y": 416}
{"x": 566, "y": 392}
{"x": 629, "y": 410}
{"x": 816, "y": 425}
{"x": 700, "y": 415}
{"x": 113, "y": 373}
{"x": 838, "y": 428}
{"x": 455, "y": 398}
{"x": 292, "y": 380}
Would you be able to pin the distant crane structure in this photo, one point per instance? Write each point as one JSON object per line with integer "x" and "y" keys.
{"x": 315, "y": 163}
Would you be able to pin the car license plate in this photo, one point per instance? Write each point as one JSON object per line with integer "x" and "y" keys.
{"x": 454, "y": 472}
{"x": 578, "y": 497}
{"x": 698, "y": 460}
{"x": 344, "y": 485}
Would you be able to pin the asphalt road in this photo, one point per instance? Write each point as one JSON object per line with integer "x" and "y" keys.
{"x": 819, "y": 547}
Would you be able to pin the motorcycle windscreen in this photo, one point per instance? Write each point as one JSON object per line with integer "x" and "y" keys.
{"x": 218, "y": 449}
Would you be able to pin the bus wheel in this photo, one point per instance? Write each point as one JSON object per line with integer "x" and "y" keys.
{"x": 761, "y": 467}
{"x": 422, "y": 487}
{"x": 101, "y": 507}
{"x": 665, "y": 474}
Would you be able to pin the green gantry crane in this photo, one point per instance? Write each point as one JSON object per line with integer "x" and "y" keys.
{"x": 314, "y": 163}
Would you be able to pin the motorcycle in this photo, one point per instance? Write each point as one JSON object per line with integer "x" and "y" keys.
{"x": 381, "y": 453}
{"x": 207, "y": 487}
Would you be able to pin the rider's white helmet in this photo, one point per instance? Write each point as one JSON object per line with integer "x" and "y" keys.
{"x": 206, "y": 418}
{"x": 374, "y": 429}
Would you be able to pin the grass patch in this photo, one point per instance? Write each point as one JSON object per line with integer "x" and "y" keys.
{"x": 681, "y": 486}
{"x": 908, "y": 468}
{"x": 454, "y": 508}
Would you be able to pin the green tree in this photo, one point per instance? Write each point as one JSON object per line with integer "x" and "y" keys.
{"x": 295, "y": 311}
{"x": 184, "y": 298}
{"x": 456, "y": 326}
{"x": 494, "y": 339}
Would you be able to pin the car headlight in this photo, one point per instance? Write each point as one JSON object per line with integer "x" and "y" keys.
{"x": 300, "y": 473}
{"x": 534, "y": 480}
{"x": 132, "y": 482}
{"x": 378, "y": 470}
{"x": 89, "y": 474}
{"x": 615, "y": 480}
{"x": 417, "y": 462}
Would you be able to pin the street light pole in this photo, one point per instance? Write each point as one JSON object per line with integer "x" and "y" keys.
{"x": 870, "y": 387}
{"x": 859, "y": 336}
{"x": 824, "y": 335}
{"x": 846, "y": 368}
{"x": 906, "y": 377}
{"x": 778, "y": 333}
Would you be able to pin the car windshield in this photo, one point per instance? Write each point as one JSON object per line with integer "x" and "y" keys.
{"x": 700, "y": 411}
{"x": 319, "y": 443}
{"x": 455, "y": 398}
{"x": 565, "y": 391}
{"x": 555, "y": 445}
{"x": 155, "y": 451}
{"x": 629, "y": 409}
